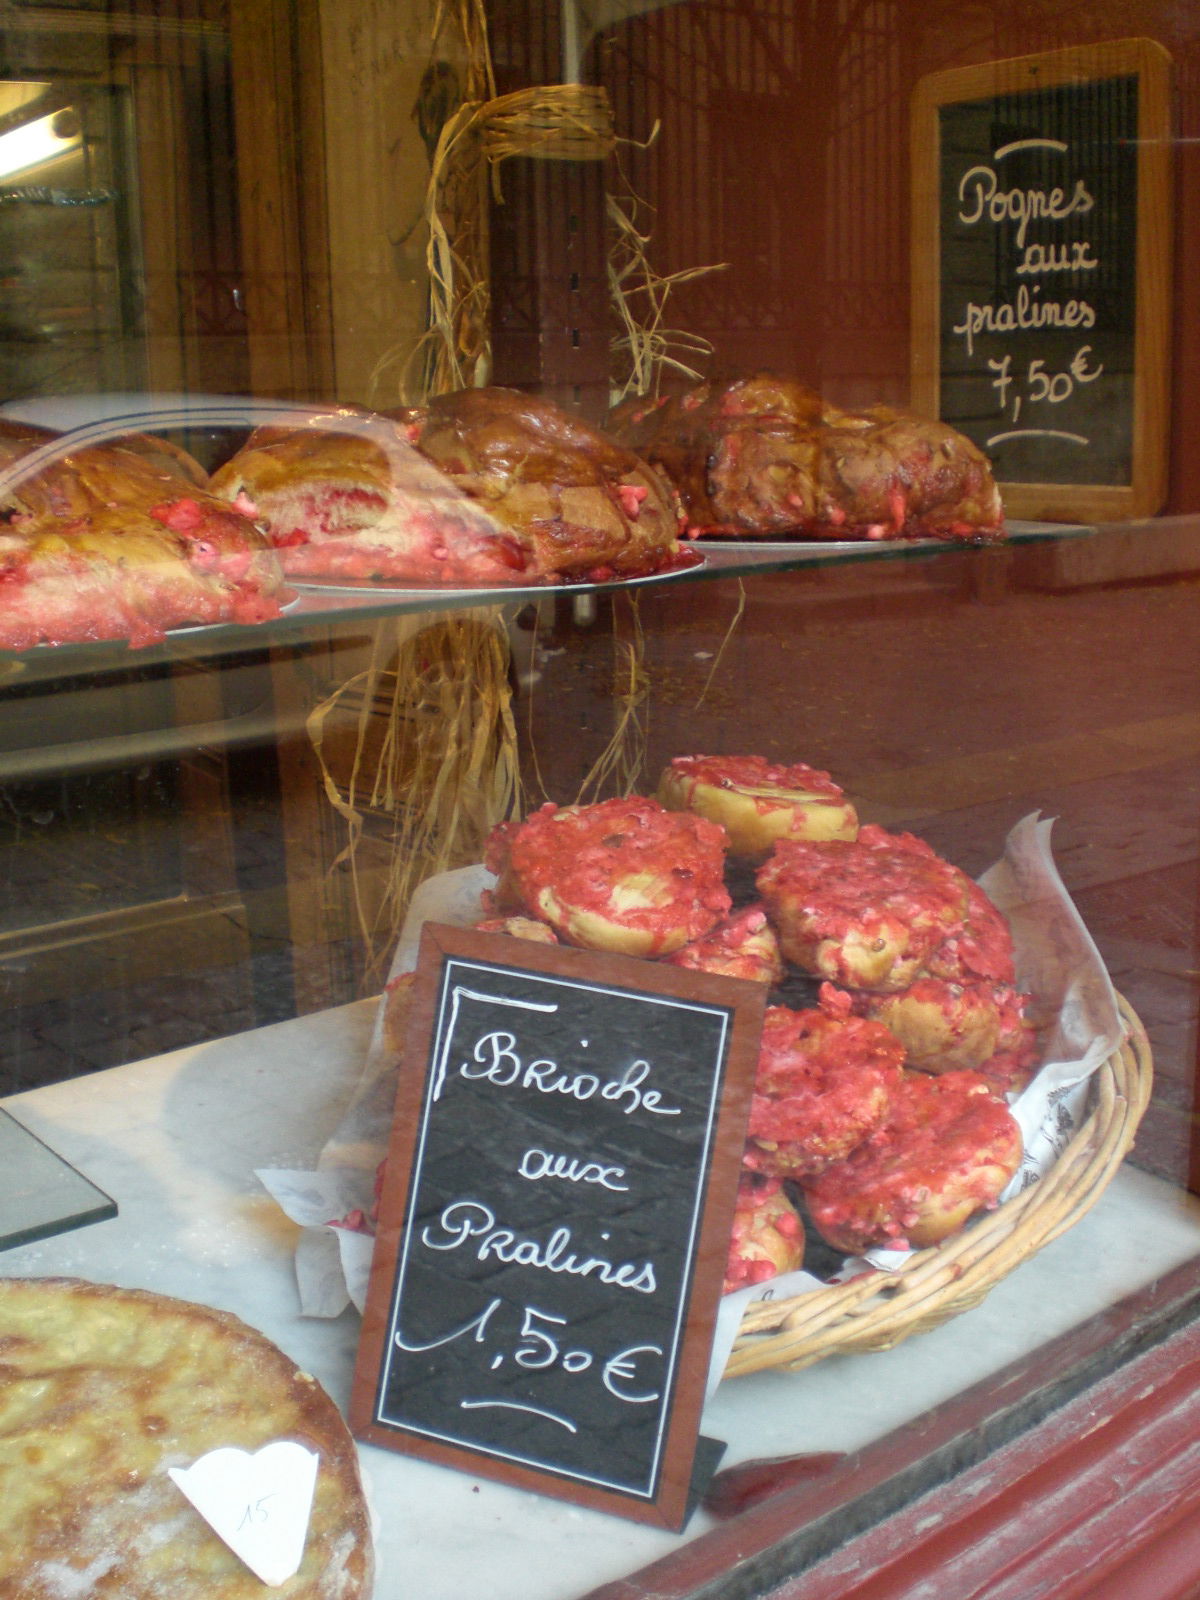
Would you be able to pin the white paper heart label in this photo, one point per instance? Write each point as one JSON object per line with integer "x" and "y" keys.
{"x": 258, "y": 1504}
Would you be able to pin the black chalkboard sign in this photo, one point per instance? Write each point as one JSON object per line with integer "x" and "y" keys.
{"x": 1041, "y": 273}
{"x": 555, "y": 1218}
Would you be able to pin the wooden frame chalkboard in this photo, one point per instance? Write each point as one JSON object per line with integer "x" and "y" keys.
{"x": 1041, "y": 275}
{"x": 555, "y": 1218}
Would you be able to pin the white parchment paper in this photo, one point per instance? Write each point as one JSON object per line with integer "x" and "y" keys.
{"x": 333, "y": 1261}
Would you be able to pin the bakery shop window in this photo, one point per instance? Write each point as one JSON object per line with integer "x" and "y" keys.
{"x": 457, "y": 596}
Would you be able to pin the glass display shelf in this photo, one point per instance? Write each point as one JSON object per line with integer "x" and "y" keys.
{"x": 214, "y": 426}
{"x": 318, "y": 604}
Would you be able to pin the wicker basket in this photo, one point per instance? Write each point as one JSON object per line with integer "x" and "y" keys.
{"x": 879, "y": 1309}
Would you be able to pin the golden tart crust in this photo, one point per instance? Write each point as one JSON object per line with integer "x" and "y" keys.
{"x": 102, "y": 1389}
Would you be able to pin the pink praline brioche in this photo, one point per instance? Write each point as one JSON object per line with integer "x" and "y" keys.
{"x": 767, "y": 1237}
{"x": 823, "y": 1084}
{"x": 741, "y": 946}
{"x": 621, "y": 875}
{"x": 865, "y": 913}
{"x": 945, "y": 1026}
{"x": 758, "y": 801}
{"x": 942, "y": 1025}
{"x": 948, "y": 1150}
{"x": 982, "y": 950}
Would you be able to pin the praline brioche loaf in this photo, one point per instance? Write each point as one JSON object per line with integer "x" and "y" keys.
{"x": 758, "y": 801}
{"x": 887, "y": 473}
{"x": 767, "y": 457}
{"x": 941, "y": 1025}
{"x": 102, "y": 1390}
{"x": 744, "y": 455}
{"x": 120, "y": 541}
{"x": 349, "y": 506}
{"x": 589, "y": 506}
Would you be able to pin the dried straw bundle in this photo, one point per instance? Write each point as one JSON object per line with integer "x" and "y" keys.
{"x": 446, "y": 768}
{"x": 617, "y": 771}
{"x": 555, "y": 122}
{"x": 453, "y": 708}
{"x": 455, "y": 352}
{"x": 447, "y": 771}
{"x": 646, "y": 345}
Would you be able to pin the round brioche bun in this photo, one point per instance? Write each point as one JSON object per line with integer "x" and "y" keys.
{"x": 626, "y": 876}
{"x": 823, "y": 1084}
{"x": 865, "y": 913}
{"x": 757, "y": 801}
{"x": 943, "y": 1026}
{"x": 744, "y": 945}
{"x": 948, "y": 1150}
{"x": 767, "y": 1236}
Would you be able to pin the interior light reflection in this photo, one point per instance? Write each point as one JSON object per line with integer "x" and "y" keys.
{"x": 34, "y": 143}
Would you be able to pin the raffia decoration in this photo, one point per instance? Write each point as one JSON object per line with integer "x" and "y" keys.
{"x": 880, "y": 1309}
{"x": 646, "y": 346}
{"x": 467, "y": 19}
{"x": 448, "y": 768}
{"x": 436, "y": 826}
{"x": 617, "y": 771}
{"x": 456, "y": 702}
{"x": 445, "y": 771}
{"x": 554, "y": 122}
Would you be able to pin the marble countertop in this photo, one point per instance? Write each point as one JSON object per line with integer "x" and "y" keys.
{"x": 175, "y": 1140}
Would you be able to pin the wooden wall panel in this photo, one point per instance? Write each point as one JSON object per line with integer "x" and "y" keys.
{"x": 281, "y": 180}
{"x": 373, "y": 53}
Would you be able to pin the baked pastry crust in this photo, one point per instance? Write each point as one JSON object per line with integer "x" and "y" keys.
{"x": 101, "y": 1390}
{"x": 766, "y": 457}
{"x": 744, "y": 456}
{"x": 348, "y": 508}
{"x": 886, "y": 473}
{"x": 519, "y": 928}
{"x": 590, "y": 508}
